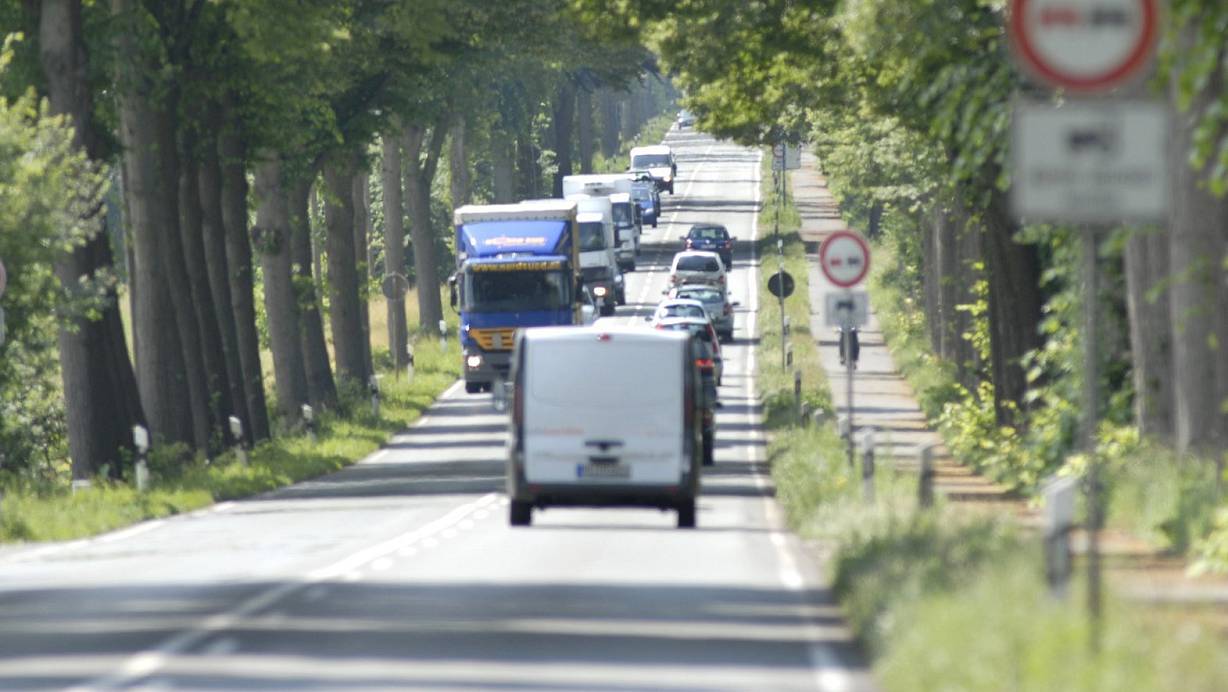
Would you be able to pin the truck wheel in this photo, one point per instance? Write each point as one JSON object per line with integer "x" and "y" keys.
{"x": 607, "y": 309}
{"x": 709, "y": 450}
{"x": 671, "y": 188}
{"x": 621, "y": 297}
{"x": 654, "y": 223}
{"x": 631, "y": 267}
{"x": 520, "y": 513}
{"x": 473, "y": 387}
{"x": 686, "y": 514}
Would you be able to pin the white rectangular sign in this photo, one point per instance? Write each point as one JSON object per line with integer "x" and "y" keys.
{"x": 847, "y": 308}
{"x": 1090, "y": 161}
{"x": 786, "y": 157}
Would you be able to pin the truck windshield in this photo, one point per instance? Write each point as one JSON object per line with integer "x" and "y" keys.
{"x": 592, "y": 236}
{"x": 516, "y": 291}
{"x": 650, "y": 161}
{"x": 622, "y": 214}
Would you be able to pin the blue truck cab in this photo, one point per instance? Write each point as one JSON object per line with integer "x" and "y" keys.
{"x": 517, "y": 266}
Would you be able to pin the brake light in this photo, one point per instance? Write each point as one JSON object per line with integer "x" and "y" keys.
{"x": 705, "y": 363}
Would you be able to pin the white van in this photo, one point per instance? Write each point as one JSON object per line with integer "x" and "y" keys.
{"x": 629, "y": 433}
{"x": 598, "y": 259}
{"x": 628, "y": 224}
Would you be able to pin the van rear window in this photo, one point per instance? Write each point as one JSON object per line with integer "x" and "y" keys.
{"x": 615, "y": 375}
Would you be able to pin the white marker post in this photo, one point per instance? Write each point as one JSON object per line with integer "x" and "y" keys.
{"x": 140, "y": 471}
{"x": 309, "y": 420}
{"x": 443, "y": 335}
{"x": 236, "y": 431}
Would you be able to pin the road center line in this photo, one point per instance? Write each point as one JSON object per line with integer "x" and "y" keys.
{"x": 145, "y": 663}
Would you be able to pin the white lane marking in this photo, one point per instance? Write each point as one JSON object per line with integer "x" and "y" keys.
{"x": 142, "y": 664}
{"x": 828, "y": 671}
{"x": 131, "y": 531}
{"x": 375, "y": 456}
{"x": 222, "y": 647}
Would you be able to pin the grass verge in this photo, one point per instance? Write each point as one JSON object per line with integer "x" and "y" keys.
{"x": 343, "y": 437}
{"x": 945, "y": 599}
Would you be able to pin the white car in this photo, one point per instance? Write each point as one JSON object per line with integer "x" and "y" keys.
{"x": 697, "y": 267}
{"x": 679, "y": 307}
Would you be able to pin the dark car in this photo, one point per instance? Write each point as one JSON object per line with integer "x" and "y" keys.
{"x": 713, "y": 238}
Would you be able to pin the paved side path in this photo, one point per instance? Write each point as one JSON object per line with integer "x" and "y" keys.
{"x": 883, "y": 399}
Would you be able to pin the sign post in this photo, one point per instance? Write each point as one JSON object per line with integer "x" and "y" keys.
{"x": 844, "y": 258}
{"x": 1090, "y": 162}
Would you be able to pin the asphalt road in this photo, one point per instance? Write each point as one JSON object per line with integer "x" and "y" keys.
{"x": 402, "y": 572}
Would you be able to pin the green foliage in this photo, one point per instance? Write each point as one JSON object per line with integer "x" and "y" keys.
{"x": 1212, "y": 550}
{"x": 48, "y": 190}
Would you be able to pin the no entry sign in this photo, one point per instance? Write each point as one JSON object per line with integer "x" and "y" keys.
{"x": 1086, "y": 46}
{"x": 844, "y": 258}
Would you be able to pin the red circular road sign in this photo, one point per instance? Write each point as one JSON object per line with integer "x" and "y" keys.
{"x": 1086, "y": 46}
{"x": 844, "y": 258}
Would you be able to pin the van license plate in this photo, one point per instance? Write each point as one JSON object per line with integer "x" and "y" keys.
{"x": 604, "y": 470}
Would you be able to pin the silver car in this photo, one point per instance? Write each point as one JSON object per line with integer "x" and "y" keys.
{"x": 697, "y": 267}
{"x": 715, "y": 301}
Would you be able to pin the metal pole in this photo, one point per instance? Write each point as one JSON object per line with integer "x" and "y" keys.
{"x": 1091, "y": 381}
{"x": 846, "y": 344}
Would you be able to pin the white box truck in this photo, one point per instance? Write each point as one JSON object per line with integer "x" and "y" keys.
{"x": 628, "y": 219}
{"x": 629, "y": 433}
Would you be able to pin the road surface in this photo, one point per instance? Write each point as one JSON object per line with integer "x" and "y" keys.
{"x": 403, "y": 573}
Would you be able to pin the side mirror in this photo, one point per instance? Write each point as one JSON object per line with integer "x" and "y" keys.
{"x": 452, "y": 298}
{"x": 733, "y": 239}
{"x": 647, "y": 318}
{"x": 735, "y": 303}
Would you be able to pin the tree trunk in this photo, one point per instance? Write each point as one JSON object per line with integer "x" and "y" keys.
{"x": 584, "y": 113}
{"x": 422, "y": 150}
{"x": 343, "y": 301}
{"x": 1015, "y": 303}
{"x": 163, "y": 374}
{"x": 610, "y": 123}
{"x": 458, "y": 165}
{"x": 362, "y": 252}
{"x": 503, "y": 163}
{"x": 321, "y": 388}
{"x": 628, "y": 116}
{"x": 101, "y": 401}
{"x": 394, "y": 249}
{"x": 214, "y": 236}
{"x": 1197, "y": 220}
{"x": 563, "y": 115}
{"x": 239, "y": 260}
{"x": 1146, "y": 267}
{"x": 200, "y": 293}
{"x": 931, "y": 275}
{"x": 272, "y": 234}
{"x": 177, "y": 281}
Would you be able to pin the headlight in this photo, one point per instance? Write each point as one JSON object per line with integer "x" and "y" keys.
{"x": 474, "y": 361}
{"x": 618, "y": 279}
{"x": 667, "y": 177}
{"x": 599, "y": 291}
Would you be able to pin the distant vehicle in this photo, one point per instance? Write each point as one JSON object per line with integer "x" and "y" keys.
{"x": 627, "y": 434}
{"x": 712, "y": 237}
{"x": 598, "y": 261}
{"x": 516, "y": 267}
{"x": 685, "y": 119}
{"x": 716, "y": 301}
{"x": 658, "y": 160}
{"x": 697, "y": 267}
{"x": 679, "y": 307}
{"x": 644, "y": 193}
{"x": 700, "y": 326}
{"x": 628, "y": 223}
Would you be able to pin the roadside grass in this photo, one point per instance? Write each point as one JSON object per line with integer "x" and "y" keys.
{"x": 652, "y": 132}
{"x": 52, "y": 512}
{"x": 1169, "y": 499}
{"x": 943, "y": 598}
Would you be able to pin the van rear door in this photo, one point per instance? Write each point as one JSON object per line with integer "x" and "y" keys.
{"x": 604, "y": 407}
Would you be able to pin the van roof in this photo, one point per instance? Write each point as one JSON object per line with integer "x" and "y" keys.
{"x": 619, "y": 332}
{"x": 652, "y": 149}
